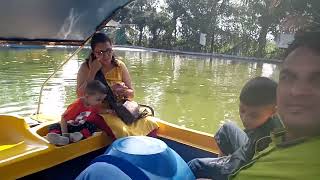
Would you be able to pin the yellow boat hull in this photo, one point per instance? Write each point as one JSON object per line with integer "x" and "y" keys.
{"x": 24, "y": 150}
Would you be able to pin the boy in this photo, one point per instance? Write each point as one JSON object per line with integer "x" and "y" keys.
{"x": 257, "y": 111}
{"x": 81, "y": 118}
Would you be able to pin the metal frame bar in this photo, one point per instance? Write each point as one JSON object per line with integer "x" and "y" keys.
{"x": 59, "y": 67}
{"x": 40, "y": 42}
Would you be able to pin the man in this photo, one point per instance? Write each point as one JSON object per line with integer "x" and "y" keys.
{"x": 294, "y": 154}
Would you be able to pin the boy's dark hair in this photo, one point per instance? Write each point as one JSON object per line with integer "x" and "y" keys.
{"x": 94, "y": 87}
{"x": 259, "y": 91}
{"x": 308, "y": 38}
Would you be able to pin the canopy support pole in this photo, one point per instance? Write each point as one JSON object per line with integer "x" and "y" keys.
{"x": 59, "y": 67}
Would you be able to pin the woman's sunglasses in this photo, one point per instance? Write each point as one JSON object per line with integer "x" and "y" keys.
{"x": 107, "y": 51}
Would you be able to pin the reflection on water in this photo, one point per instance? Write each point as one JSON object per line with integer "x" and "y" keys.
{"x": 189, "y": 91}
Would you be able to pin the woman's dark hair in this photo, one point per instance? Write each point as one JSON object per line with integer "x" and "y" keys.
{"x": 309, "y": 38}
{"x": 101, "y": 38}
{"x": 259, "y": 91}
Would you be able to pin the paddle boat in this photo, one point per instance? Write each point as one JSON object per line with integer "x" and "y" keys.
{"x": 24, "y": 152}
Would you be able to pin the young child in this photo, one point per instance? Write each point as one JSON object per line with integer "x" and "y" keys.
{"x": 81, "y": 118}
{"x": 237, "y": 147}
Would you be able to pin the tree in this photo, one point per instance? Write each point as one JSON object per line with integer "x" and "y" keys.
{"x": 231, "y": 27}
{"x": 301, "y": 13}
{"x": 137, "y": 15}
{"x": 268, "y": 14}
{"x": 157, "y": 25}
{"x": 175, "y": 10}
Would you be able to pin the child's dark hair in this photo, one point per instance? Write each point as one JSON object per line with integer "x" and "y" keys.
{"x": 259, "y": 91}
{"x": 309, "y": 38}
{"x": 94, "y": 87}
{"x": 101, "y": 38}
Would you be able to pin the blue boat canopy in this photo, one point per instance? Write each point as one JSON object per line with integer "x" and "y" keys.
{"x": 68, "y": 22}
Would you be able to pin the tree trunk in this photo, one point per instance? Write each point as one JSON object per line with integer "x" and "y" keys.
{"x": 214, "y": 14}
{"x": 175, "y": 26}
{"x": 173, "y": 40}
{"x": 154, "y": 39}
{"x": 212, "y": 42}
{"x": 140, "y": 36}
{"x": 259, "y": 69}
{"x": 262, "y": 41}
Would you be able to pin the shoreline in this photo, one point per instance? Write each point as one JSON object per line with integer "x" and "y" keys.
{"x": 198, "y": 54}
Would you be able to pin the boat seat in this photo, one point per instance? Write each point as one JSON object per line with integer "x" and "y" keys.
{"x": 143, "y": 157}
{"x": 23, "y": 151}
{"x": 17, "y": 141}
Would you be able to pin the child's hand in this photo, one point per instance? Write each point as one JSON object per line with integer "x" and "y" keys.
{"x": 76, "y": 122}
{"x": 107, "y": 111}
{"x": 81, "y": 121}
{"x": 110, "y": 111}
{"x": 64, "y": 126}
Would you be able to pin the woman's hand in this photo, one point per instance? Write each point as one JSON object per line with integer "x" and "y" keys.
{"x": 86, "y": 73}
{"x": 120, "y": 90}
{"x": 94, "y": 65}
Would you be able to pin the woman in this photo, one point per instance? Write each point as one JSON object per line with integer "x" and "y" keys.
{"x": 114, "y": 71}
{"x": 118, "y": 78}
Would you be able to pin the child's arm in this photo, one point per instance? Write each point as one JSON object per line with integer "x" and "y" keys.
{"x": 64, "y": 126}
{"x": 70, "y": 114}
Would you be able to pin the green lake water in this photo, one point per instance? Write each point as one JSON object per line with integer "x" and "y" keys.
{"x": 194, "y": 92}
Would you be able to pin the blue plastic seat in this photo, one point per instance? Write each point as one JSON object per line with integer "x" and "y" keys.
{"x": 141, "y": 157}
{"x": 112, "y": 169}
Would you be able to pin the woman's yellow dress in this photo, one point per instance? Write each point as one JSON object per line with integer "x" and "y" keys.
{"x": 141, "y": 127}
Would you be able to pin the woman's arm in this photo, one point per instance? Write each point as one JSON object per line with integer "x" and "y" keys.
{"x": 128, "y": 92}
{"x": 85, "y": 74}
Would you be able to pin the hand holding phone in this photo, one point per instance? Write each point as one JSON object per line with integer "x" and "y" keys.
{"x": 120, "y": 89}
{"x": 94, "y": 63}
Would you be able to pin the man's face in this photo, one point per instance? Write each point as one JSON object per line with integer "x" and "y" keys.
{"x": 298, "y": 93}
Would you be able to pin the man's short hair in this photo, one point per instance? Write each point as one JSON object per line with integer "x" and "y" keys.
{"x": 259, "y": 91}
{"x": 309, "y": 38}
{"x": 94, "y": 87}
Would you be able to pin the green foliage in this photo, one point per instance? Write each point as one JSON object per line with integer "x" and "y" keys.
{"x": 232, "y": 27}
